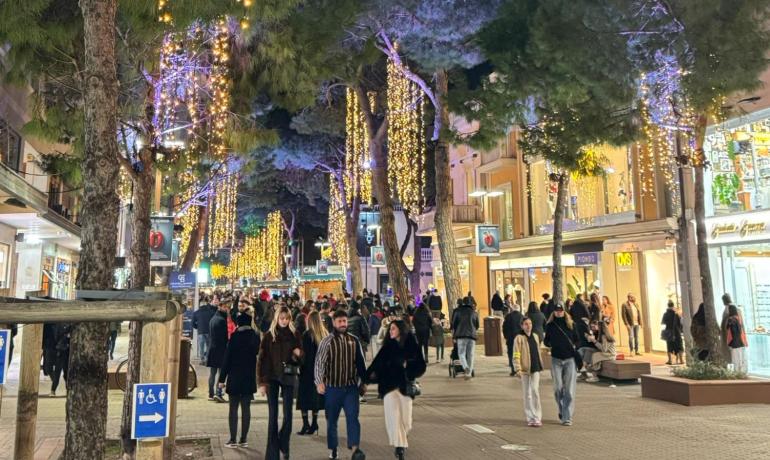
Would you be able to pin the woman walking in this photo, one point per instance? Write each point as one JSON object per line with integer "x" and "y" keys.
{"x": 609, "y": 312}
{"x": 399, "y": 362}
{"x": 277, "y": 370}
{"x": 672, "y": 334}
{"x": 239, "y": 370}
{"x": 308, "y": 399}
{"x": 560, "y": 336}
{"x": 528, "y": 365}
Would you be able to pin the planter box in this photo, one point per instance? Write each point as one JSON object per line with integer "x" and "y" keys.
{"x": 705, "y": 392}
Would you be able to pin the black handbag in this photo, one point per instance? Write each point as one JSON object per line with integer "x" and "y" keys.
{"x": 290, "y": 369}
{"x": 413, "y": 389}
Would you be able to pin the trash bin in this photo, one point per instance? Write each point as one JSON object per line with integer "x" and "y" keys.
{"x": 184, "y": 368}
{"x": 493, "y": 339}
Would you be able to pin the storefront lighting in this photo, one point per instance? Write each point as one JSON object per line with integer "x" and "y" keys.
{"x": 477, "y": 193}
{"x": 495, "y": 193}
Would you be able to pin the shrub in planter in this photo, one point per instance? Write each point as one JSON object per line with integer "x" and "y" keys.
{"x": 705, "y": 370}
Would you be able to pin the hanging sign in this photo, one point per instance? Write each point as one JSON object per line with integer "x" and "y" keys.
{"x": 378, "y": 256}
{"x": 487, "y": 240}
{"x": 161, "y": 240}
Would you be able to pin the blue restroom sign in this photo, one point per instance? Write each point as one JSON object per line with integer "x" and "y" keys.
{"x": 151, "y": 410}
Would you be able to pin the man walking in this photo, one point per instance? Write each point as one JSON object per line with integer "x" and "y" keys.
{"x": 632, "y": 318}
{"x": 339, "y": 376}
{"x": 200, "y": 322}
{"x": 465, "y": 325}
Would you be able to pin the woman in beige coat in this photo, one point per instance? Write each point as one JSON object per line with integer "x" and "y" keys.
{"x": 528, "y": 364}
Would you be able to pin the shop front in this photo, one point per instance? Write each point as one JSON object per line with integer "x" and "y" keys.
{"x": 646, "y": 268}
{"x": 739, "y": 250}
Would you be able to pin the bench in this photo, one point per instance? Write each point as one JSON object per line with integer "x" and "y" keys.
{"x": 625, "y": 369}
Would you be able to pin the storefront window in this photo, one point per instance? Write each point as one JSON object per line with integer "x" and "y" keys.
{"x": 740, "y": 159}
{"x": 592, "y": 201}
{"x": 741, "y": 271}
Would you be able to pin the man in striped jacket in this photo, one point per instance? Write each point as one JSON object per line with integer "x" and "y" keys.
{"x": 339, "y": 375}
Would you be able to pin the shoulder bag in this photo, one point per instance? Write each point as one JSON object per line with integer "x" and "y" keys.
{"x": 575, "y": 355}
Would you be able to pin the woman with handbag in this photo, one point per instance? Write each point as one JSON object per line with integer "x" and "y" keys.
{"x": 308, "y": 399}
{"x": 277, "y": 370}
{"x": 398, "y": 363}
{"x": 560, "y": 337}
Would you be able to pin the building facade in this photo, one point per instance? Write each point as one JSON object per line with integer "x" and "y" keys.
{"x": 39, "y": 237}
{"x": 619, "y": 234}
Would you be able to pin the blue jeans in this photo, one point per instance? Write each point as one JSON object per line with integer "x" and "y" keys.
{"x": 633, "y": 338}
{"x": 465, "y": 349}
{"x": 564, "y": 377}
{"x": 338, "y": 399}
{"x": 203, "y": 346}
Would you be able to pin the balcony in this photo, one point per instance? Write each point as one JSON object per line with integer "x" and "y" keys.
{"x": 426, "y": 254}
{"x": 499, "y": 156}
{"x": 463, "y": 215}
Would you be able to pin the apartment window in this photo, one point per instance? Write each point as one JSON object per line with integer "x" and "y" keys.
{"x": 10, "y": 146}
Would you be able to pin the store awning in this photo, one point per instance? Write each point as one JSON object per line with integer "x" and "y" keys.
{"x": 642, "y": 243}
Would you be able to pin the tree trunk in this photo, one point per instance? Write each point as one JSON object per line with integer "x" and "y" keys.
{"x": 144, "y": 185}
{"x": 86, "y": 386}
{"x": 351, "y": 235}
{"x": 444, "y": 231}
{"x": 711, "y": 341}
{"x": 195, "y": 238}
{"x": 381, "y": 190}
{"x": 558, "y": 229}
{"x": 414, "y": 274}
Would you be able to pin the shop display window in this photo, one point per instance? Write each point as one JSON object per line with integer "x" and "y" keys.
{"x": 740, "y": 159}
{"x": 593, "y": 201}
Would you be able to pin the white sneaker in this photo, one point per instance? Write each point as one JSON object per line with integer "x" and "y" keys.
{"x": 592, "y": 379}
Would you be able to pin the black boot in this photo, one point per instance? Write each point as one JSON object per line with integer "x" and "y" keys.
{"x": 400, "y": 453}
{"x": 305, "y": 426}
{"x": 313, "y": 426}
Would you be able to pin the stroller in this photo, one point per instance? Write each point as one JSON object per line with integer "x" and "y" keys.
{"x": 455, "y": 366}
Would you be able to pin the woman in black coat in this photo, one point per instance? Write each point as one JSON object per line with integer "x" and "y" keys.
{"x": 399, "y": 362}
{"x": 538, "y": 320}
{"x": 239, "y": 369}
{"x": 308, "y": 399}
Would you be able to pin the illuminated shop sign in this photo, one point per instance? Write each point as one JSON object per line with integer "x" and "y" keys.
{"x": 739, "y": 228}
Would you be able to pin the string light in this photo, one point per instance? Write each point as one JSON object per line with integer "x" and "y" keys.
{"x": 406, "y": 142}
{"x": 358, "y": 173}
{"x": 220, "y": 89}
{"x": 336, "y": 226}
{"x": 261, "y": 256}
{"x": 222, "y": 217}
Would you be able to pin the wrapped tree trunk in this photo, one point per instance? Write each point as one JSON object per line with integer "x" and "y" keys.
{"x": 443, "y": 219}
{"x": 562, "y": 179}
{"x": 381, "y": 190}
{"x": 87, "y": 376}
{"x": 717, "y": 348}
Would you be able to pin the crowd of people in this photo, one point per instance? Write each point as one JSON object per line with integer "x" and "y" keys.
{"x": 313, "y": 356}
{"x": 316, "y": 353}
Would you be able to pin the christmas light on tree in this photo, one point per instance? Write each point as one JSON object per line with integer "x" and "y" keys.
{"x": 406, "y": 142}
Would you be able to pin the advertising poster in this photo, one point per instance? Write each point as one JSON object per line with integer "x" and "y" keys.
{"x": 487, "y": 240}
{"x": 378, "y": 256}
{"x": 322, "y": 267}
{"x": 161, "y": 240}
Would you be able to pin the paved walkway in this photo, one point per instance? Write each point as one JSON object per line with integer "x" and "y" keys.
{"x": 610, "y": 423}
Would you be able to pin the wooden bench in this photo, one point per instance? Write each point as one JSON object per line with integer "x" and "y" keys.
{"x": 626, "y": 369}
